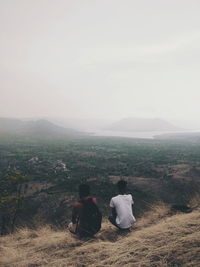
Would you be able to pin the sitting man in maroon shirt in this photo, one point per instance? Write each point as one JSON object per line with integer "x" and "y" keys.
{"x": 86, "y": 217}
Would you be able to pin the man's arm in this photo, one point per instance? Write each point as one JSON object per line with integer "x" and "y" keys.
{"x": 114, "y": 213}
{"x": 75, "y": 213}
{"x": 112, "y": 205}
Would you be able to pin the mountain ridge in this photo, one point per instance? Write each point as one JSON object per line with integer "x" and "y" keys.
{"x": 35, "y": 128}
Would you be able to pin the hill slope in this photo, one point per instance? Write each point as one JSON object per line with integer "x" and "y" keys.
{"x": 156, "y": 240}
{"x": 35, "y": 128}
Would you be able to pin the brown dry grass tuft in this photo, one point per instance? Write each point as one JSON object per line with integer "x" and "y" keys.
{"x": 157, "y": 239}
{"x": 157, "y": 212}
{"x": 195, "y": 202}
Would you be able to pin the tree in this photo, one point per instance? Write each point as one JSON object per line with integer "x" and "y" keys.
{"x": 11, "y": 199}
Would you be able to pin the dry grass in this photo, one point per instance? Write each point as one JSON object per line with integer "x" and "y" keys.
{"x": 157, "y": 239}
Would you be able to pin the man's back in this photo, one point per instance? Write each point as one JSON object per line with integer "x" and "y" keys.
{"x": 86, "y": 217}
{"x": 123, "y": 207}
{"x": 90, "y": 218}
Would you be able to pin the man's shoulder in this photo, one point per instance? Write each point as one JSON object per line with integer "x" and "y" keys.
{"x": 93, "y": 199}
{"x": 129, "y": 196}
{"x": 115, "y": 198}
{"x": 78, "y": 204}
{"x": 120, "y": 197}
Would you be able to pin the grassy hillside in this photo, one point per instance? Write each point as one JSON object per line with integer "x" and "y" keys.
{"x": 159, "y": 238}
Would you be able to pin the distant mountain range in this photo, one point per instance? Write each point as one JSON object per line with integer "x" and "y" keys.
{"x": 142, "y": 125}
{"x": 86, "y": 125}
{"x": 35, "y": 128}
{"x": 45, "y": 129}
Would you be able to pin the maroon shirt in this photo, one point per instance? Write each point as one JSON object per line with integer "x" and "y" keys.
{"x": 77, "y": 210}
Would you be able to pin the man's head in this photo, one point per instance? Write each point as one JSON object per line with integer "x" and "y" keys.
{"x": 122, "y": 186}
{"x": 84, "y": 190}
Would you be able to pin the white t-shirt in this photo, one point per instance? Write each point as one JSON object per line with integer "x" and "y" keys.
{"x": 123, "y": 206}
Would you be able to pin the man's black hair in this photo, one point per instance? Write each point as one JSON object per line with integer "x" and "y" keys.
{"x": 122, "y": 186}
{"x": 84, "y": 190}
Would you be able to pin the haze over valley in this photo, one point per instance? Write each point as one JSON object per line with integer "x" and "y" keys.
{"x": 71, "y": 128}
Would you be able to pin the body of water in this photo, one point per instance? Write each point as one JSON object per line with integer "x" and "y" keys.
{"x": 148, "y": 135}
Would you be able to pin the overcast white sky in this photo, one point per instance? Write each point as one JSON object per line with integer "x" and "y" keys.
{"x": 100, "y": 58}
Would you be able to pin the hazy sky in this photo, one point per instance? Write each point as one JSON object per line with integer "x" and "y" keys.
{"x": 100, "y": 58}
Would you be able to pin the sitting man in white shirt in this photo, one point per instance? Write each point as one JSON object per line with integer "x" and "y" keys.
{"x": 122, "y": 214}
